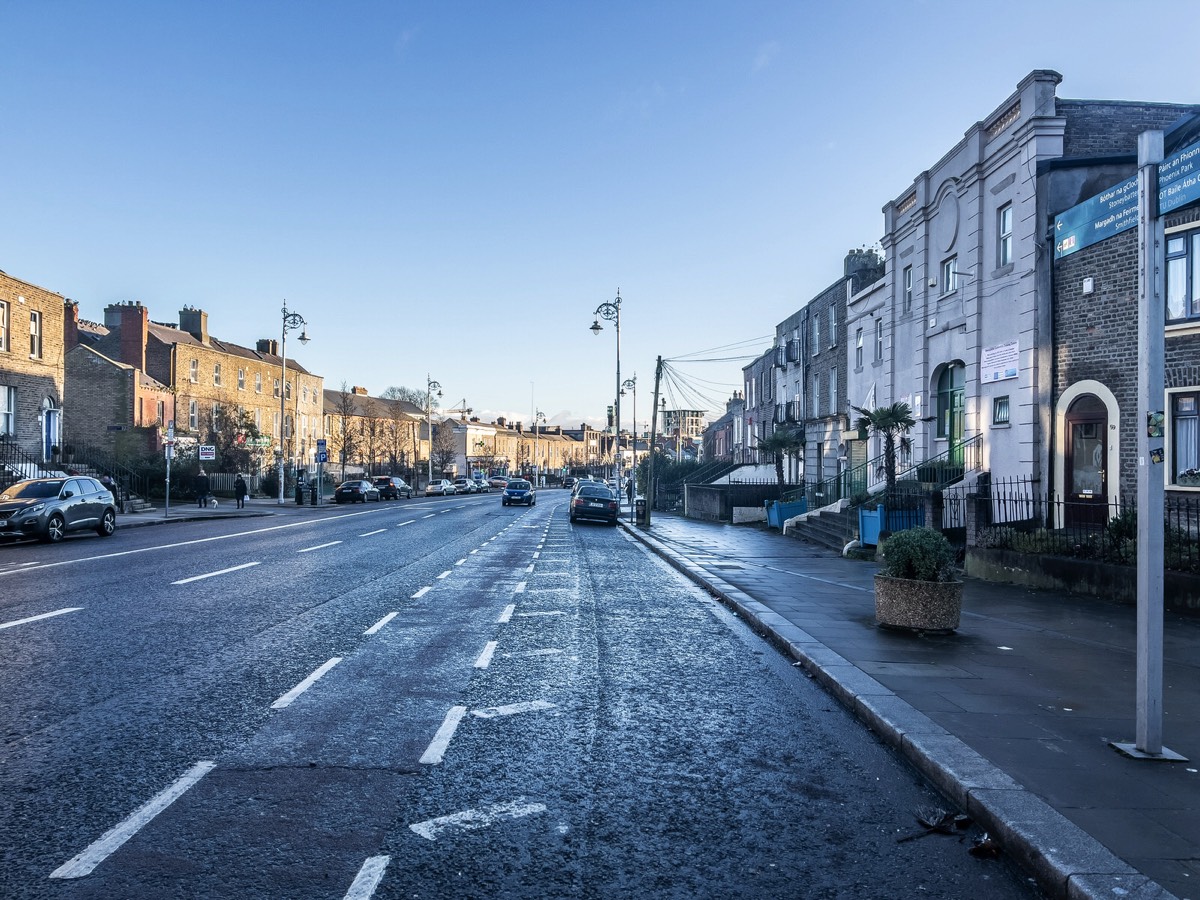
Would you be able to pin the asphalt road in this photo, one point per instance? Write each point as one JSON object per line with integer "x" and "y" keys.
{"x": 429, "y": 698}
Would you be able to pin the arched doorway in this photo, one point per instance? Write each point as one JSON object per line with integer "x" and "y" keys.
{"x": 1085, "y": 464}
{"x": 950, "y": 393}
{"x": 50, "y": 427}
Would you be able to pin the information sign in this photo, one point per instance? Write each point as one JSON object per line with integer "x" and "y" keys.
{"x": 1179, "y": 179}
{"x": 1096, "y": 219}
{"x": 322, "y": 456}
{"x": 208, "y": 451}
{"x": 999, "y": 363}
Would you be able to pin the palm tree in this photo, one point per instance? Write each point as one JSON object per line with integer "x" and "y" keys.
{"x": 892, "y": 422}
{"x": 782, "y": 442}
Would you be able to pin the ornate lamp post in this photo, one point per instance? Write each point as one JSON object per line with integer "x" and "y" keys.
{"x": 612, "y": 313}
{"x": 538, "y": 416}
{"x": 430, "y": 387}
{"x": 291, "y": 321}
{"x": 630, "y": 384}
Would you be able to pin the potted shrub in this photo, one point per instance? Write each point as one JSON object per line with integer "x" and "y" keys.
{"x": 916, "y": 586}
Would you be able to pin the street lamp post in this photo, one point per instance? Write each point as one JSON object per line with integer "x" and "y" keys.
{"x": 291, "y": 321}
{"x": 630, "y": 384}
{"x": 430, "y": 387}
{"x": 538, "y": 416}
{"x": 612, "y": 313}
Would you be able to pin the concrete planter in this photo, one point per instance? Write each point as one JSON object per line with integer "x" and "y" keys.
{"x": 918, "y": 605}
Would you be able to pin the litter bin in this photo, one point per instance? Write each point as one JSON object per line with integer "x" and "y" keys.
{"x": 640, "y": 510}
{"x": 312, "y": 494}
{"x": 299, "y": 493}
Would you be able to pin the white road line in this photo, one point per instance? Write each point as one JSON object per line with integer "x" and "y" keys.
{"x": 286, "y": 700}
{"x": 402, "y": 524}
{"x": 529, "y": 568}
{"x": 470, "y": 819}
{"x": 536, "y": 554}
{"x": 215, "y": 574}
{"x": 475, "y": 550}
{"x": 512, "y": 709}
{"x": 546, "y": 652}
{"x": 374, "y": 628}
{"x": 57, "y": 612}
{"x": 430, "y": 516}
{"x": 437, "y": 748}
{"x": 552, "y": 612}
{"x": 520, "y": 588}
{"x": 444, "y": 574}
{"x": 421, "y": 593}
{"x": 507, "y": 614}
{"x": 461, "y": 561}
{"x": 376, "y": 531}
{"x": 319, "y": 547}
{"x": 485, "y": 658}
{"x": 111, "y": 841}
{"x": 368, "y": 878}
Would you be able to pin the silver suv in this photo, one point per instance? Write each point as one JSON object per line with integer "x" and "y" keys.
{"x": 48, "y": 508}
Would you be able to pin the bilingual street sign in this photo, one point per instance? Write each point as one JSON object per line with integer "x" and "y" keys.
{"x": 1179, "y": 178}
{"x": 1096, "y": 219}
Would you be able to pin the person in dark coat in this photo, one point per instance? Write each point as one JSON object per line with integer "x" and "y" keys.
{"x": 201, "y": 489}
{"x": 239, "y": 488}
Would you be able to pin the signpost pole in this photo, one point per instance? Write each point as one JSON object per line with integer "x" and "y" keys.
{"x": 169, "y": 449}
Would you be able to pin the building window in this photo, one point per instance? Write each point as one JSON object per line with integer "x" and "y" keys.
{"x": 275, "y": 425}
{"x": 858, "y": 348}
{"x": 305, "y": 394}
{"x": 194, "y": 371}
{"x": 833, "y": 326}
{"x": 1004, "y": 235}
{"x": 1183, "y": 276}
{"x": 1000, "y": 410}
{"x": 8, "y": 410}
{"x": 879, "y": 339}
{"x": 258, "y": 420}
{"x": 908, "y": 288}
{"x": 241, "y": 379}
{"x": 35, "y": 335}
{"x": 275, "y": 392}
{"x": 1185, "y": 439}
{"x": 950, "y": 275}
{"x": 816, "y": 335}
{"x": 816, "y": 395}
{"x": 160, "y": 412}
{"x": 833, "y": 392}
{"x": 287, "y": 390}
{"x": 193, "y": 415}
{"x": 217, "y": 374}
{"x": 216, "y": 416}
{"x": 3, "y": 326}
{"x": 258, "y": 382}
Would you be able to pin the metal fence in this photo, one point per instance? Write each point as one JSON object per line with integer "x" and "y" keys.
{"x": 1013, "y": 514}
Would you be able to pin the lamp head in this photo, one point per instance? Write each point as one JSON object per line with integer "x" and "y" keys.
{"x": 304, "y": 336}
{"x": 597, "y": 327}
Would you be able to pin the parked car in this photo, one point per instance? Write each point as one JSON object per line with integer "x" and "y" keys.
{"x": 49, "y": 508}
{"x": 464, "y": 486}
{"x": 498, "y": 482}
{"x": 392, "y": 488}
{"x": 594, "y": 500}
{"x": 439, "y": 487}
{"x": 518, "y": 490}
{"x": 482, "y": 487}
{"x": 356, "y": 490}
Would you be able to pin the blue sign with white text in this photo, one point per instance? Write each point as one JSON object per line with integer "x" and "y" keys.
{"x": 1096, "y": 219}
{"x": 1179, "y": 179}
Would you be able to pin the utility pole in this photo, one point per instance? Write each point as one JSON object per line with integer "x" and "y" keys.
{"x": 650, "y": 488}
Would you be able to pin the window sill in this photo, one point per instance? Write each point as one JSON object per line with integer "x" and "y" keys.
{"x": 1182, "y": 329}
{"x": 1006, "y": 269}
{"x": 998, "y": 425}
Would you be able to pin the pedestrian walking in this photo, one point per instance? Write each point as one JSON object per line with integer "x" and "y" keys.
{"x": 239, "y": 488}
{"x": 201, "y": 484}
{"x": 629, "y": 490}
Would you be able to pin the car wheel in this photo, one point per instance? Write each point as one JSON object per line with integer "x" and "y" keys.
{"x": 108, "y": 524}
{"x": 56, "y": 529}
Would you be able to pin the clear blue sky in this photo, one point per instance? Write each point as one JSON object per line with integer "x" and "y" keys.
{"x": 453, "y": 187}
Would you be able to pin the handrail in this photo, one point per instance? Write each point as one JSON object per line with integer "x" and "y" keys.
{"x": 949, "y": 466}
{"x": 15, "y": 459}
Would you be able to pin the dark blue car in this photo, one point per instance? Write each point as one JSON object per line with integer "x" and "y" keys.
{"x": 519, "y": 491}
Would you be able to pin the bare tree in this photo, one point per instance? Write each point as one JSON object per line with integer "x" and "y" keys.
{"x": 371, "y": 431}
{"x": 443, "y": 451}
{"x": 411, "y": 395}
{"x": 345, "y": 439}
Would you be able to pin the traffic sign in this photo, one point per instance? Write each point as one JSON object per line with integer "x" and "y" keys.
{"x": 1179, "y": 178}
{"x": 322, "y": 456}
{"x": 1096, "y": 219}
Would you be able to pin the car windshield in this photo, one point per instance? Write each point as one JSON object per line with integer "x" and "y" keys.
{"x": 350, "y": 486}
{"x": 518, "y": 485}
{"x": 33, "y": 490}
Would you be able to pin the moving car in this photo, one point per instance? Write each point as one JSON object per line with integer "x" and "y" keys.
{"x": 439, "y": 487}
{"x": 392, "y": 488}
{"x": 518, "y": 490}
{"x": 498, "y": 482}
{"x": 594, "y": 500}
{"x": 569, "y": 482}
{"x": 49, "y": 508}
{"x": 356, "y": 490}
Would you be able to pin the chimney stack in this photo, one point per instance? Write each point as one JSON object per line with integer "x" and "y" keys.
{"x": 131, "y": 322}
{"x": 194, "y": 322}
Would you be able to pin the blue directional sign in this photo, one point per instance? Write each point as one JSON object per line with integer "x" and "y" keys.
{"x": 1096, "y": 219}
{"x": 1179, "y": 179}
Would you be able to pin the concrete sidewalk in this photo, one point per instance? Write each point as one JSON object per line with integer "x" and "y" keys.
{"x": 1010, "y": 717}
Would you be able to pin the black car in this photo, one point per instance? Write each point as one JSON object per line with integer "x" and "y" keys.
{"x": 518, "y": 490}
{"x": 355, "y": 491}
{"x": 594, "y": 500}
{"x": 48, "y": 508}
{"x": 392, "y": 488}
